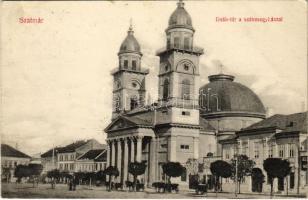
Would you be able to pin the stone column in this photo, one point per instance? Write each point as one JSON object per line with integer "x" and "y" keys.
{"x": 139, "y": 149}
{"x": 152, "y": 164}
{"x": 132, "y": 154}
{"x": 108, "y": 152}
{"x": 119, "y": 158}
{"x": 172, "y": 148}
{"x": 196, "y": 147}
{"x": 113, "y": 152}
{"x": 125, "y": 169}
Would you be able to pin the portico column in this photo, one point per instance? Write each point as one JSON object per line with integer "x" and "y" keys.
{"x": 152, "y": 165}
{"x": 113, "y": 152}
{"x": 119, "y": 159}
{"x": 139, "y": 149}
{"x": 132, "y": 154}
{"x": 108, "y": 153}
{"x": 196, "y": 147}
{"x": 125, "y": 169}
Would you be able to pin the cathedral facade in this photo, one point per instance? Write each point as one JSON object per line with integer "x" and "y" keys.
{"x": 187, "y": 121}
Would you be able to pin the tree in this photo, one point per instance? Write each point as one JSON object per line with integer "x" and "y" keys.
{"x": 276, "y": 168}
{"x": 195, "y": 169}
{"x": 241, "y": 167}
{"x": 35, "y": 171}
{"x": 220, "y": 168}
{"x": 22, "y": 171}
{"x": 136, "y": 169}
{"x": 111, "y": 171}
{"x": 100, "y": 176}
{"x": 257, "y": 179}
{"x": 192, "y": 165}
{"x": 172, "y": 169}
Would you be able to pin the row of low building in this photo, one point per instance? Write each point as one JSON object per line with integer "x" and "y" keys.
{"x": 279, "y": 136}
{"x": 79, "y": 156}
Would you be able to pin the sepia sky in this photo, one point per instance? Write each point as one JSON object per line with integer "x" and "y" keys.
{"x": 55, "y": 76}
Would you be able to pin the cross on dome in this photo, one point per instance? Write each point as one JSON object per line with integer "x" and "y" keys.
{"x": 181, "y": 3}
{"x": 130, "y": 29}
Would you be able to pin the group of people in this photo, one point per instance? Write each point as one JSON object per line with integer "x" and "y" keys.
{"x": 72, "y": 182}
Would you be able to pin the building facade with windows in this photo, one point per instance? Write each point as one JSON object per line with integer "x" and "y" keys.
{"x": 187, "y": 120}
{"x": 10, "y": 158}
{"x": 92, "y": 161}
{"x": 279, "y": 136}
{"x": 66, "y": 156}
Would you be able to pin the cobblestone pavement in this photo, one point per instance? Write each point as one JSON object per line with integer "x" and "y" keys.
{"x": 44, "y": 191}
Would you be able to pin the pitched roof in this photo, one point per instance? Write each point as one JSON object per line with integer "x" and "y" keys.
{"x": 287, "y": 123}
{"x": 73, "y": 146}
{"x": 129, "y": 122}
{"x": 7, "y": 150}
{"x": 102, "y": 157}
{"x": 229, "y": 139}
{"x": 50, "y": 152}
{"x": 91, "y": 154}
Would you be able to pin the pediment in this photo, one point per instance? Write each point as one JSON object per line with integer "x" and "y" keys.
{"x": 119, "y": 124}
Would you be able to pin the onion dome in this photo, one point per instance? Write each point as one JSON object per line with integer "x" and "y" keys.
{"x": 180, "y": 18}
{"x": 222, "y": 95}
{"x": 130, "y": 44}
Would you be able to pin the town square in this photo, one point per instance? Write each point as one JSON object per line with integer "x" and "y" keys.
{"x": 142, "y": 106}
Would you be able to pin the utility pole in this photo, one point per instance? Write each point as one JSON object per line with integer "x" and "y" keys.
{"x": 298, "y": 169}
{"x": 236, "y": 166}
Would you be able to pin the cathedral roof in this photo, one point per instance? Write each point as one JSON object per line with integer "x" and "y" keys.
{"x": 180, "y": 18}
{"x": 230, "y": 96}
{"x": 130, "y": 43}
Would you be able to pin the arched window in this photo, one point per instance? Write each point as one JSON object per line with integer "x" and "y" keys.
{"x": 166, "y": 89}
{"x": 176, "y": 42}
{"x": 133, "y": 102}
{"x": 186, "y": 89}
{"x": 186, "y": 43}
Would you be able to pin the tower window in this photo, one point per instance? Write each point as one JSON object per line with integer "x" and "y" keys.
{"x": 166, "y": 90}
{"x": 125, "y": 64}
{"x": 134, "y": 65}
{"x": 186, "y": 43}
{"x": 133, "y": 103}
{"x": 168, "y": 43}
{"x": 176, "y": 42}
{"x": 166, "y": 68}
{"x": 186, "y": 67}
{"x": 186, "y": 89}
